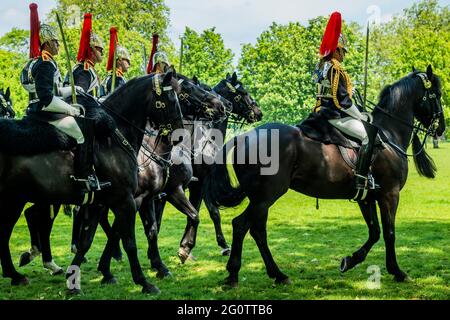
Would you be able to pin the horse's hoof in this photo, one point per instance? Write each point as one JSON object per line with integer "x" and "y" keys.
{"x": 25, "y": 258}
{"x": 284, "y": 281}
{"x": 21, "y": 281}
{"x": 161, "y": 274}
{"x": 346, "y": 264}
{"x": 109, "y": 280}
{"x": 183, "y": 255}
{"x": 400, "y": 277}
{"x": 118, "y": 258}
{"x": 74, "y": 292}
{"x": 57, "y": 272}
{"x": 228, "y": 283}
{"x": 151, "y": 289}
{"x": 191, "y": 257}
{"x": 226, "y": 252}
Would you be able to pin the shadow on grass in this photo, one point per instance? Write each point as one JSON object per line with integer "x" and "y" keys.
{"x": 310, "y": 254}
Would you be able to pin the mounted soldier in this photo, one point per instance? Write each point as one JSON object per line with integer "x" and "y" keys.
{"x": 158, "y": 63}
{"x": 42, "y": 80}
{"x": 334, "y": 99}
{"x": 90, "y": 53}
{"x": 119, "y": 62}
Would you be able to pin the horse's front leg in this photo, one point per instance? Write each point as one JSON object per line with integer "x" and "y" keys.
{"x": 369, "y": 211}
{"x": 125, "y": 212}
{"x": 388, "y": 204}
{"x": 179, "y": 200}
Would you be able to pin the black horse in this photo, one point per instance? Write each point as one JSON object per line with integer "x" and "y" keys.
{"x": 157, "y": 173}
{"x": 318, "y": 170}
{"x": 44, "y": 177}
{"x": 154, "y": 163}
{"x": 242, "y": 107}
{"x": 6, "y": 109}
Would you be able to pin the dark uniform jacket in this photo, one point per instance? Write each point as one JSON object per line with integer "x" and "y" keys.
{"x": 120, "y": 81}
{"x": 46, "y": 79}
{"x": 334, "y": 91}
{"x": 85, "y": 76}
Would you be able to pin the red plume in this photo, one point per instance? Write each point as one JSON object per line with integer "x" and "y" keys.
{"x": 331, "y": 36}
{"x": 155, "y": 39}
{"x": 84, "y": 51}
{"x": 113, "y": 41}
{"x": 35, "y": 42}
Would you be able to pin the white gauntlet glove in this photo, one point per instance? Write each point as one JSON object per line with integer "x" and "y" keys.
{"x": 354, "y": 112}
{"x": 66, "y": 92}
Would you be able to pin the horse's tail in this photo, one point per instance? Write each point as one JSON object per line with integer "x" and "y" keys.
{"x": 219, "y": 188}
{"x": 425, "y": 165}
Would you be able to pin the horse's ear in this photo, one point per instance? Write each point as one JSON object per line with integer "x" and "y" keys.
{"x": 167, "y": 78}
{"x": 414, "y": 69}
{"x": 195, "y": 79}
{"x": 234, "y": 78}
{"x": 228, "y": 77}
{"x": 429, "y": 71}
{"x": 7, "y": 94}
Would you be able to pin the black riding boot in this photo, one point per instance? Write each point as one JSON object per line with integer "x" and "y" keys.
{"x": 364, "y": 181}
{"x": 84, "y": 159}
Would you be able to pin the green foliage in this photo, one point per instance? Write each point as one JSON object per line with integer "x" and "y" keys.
{"x": 419, "y": 37}
{"x": 136, "y": 21}
{"x": 205, "y": 56}
{"x": 10, "y": 66}
{"x": 278, "y": 68}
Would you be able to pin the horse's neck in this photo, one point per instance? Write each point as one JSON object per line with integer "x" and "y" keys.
{"x": 395, "y": 129}
{"x": 134, "y": 113}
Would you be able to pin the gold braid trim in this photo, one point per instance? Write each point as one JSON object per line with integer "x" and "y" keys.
{"x": 335, "y": 81}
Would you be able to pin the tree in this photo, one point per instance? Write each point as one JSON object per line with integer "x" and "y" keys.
{"x": 136, "y": 20}
{"x": 278, "y": 69}
{"x": 205, "y": 56}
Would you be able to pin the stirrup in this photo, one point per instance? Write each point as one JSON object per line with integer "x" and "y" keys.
{"x": 92, "y": 183}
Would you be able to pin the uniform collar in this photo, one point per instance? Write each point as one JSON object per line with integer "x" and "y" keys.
{"x": 46, "y": 56}
{"x": 88, "y": 64}
{"x": 119, "y": 73}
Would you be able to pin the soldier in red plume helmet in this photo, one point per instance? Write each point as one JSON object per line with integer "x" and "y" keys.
{"x": 123, "y": 62}
{"x": 334, "y": 98}
{"x": 90, "y": 53}
{"x": 158, "y": 63}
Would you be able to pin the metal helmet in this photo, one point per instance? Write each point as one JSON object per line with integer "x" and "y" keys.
{"x": 342, "y": 42}
{"x": 47, "y": 33}
{"x": 122, "y": 53}
{"x": 96, "y": 41}
{"x": 160, "y": 57}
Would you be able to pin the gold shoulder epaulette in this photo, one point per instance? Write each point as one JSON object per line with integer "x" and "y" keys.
{"x": 46, "y": 56}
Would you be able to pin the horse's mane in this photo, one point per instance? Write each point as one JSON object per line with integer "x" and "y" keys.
{"x": 402, "y": 90}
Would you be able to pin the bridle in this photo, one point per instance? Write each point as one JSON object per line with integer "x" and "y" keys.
{"x": 429, "y": 97}
{"x": 201, "y": 104}
{"x": 237, "y": 95}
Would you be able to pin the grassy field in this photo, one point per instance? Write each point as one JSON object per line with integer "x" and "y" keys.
{"x": 308, "y": 245}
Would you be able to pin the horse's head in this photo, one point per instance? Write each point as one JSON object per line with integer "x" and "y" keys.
{"x": 228, "y": 105}
{"x": 429, "y": 110}
{"x": 243, "y": 104}
{"x": 197, "y": 101}
{"x": 6, "y": 110}
{"x": 165, "y": 111}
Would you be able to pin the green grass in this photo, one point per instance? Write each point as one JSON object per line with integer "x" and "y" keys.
{"x": 307, "y": 244}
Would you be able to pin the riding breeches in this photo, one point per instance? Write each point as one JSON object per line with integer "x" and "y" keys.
{"x": 69, "y": 126}
{"x": 352, "y": 127}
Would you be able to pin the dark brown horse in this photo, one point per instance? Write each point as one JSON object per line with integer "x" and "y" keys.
{"x": 318, "y": 170}
{"x": 45, "y": 177}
